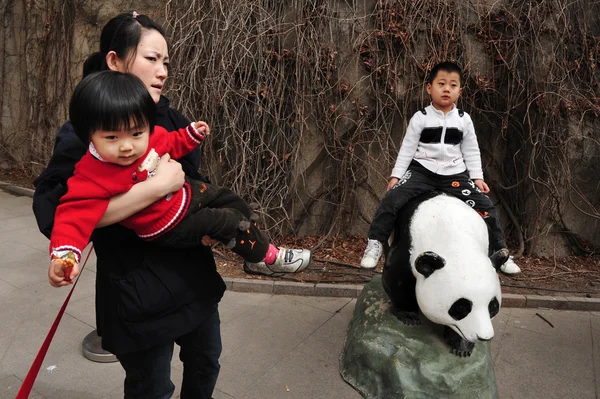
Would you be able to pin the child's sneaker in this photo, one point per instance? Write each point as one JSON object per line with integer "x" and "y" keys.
{"x": 510, "y": 268}
{"x": 372, "y": 254}
{"x": 288, "y": 261}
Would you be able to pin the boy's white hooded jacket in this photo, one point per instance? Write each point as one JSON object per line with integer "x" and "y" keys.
{"x": 444, "y": 144}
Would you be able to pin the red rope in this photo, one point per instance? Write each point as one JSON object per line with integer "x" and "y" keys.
{"x": 29, "y": 380}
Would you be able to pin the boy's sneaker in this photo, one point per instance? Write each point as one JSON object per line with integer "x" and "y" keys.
{"x": 372, "y": 254}
{"x": 510, "y": 268}
{"x": 288, "y": 261}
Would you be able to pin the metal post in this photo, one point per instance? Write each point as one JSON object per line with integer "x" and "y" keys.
{"x": 92, "y": 349}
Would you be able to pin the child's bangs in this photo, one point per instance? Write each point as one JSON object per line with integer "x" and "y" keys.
{"x": 128, "y": 107}
{"x": 123, "y": 116}
{"x": 111, "y": 101}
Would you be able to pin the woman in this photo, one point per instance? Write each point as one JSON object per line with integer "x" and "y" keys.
{"x": 147, "y": 297}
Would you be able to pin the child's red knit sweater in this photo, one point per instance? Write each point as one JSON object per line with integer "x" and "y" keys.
{"x": 95, "y": 182}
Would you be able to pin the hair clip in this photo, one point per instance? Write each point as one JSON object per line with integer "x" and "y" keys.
{"x": 135, "y": 14}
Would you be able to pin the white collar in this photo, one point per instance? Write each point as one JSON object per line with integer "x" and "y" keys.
{"x": 440, "y": 112}
{"x": 94, "y": 152}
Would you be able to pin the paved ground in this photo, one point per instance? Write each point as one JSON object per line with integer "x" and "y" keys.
{"x": 271, "y": 342}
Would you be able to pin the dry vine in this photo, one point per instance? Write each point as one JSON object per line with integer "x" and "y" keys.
{"x": 265, "y": 80}
{"x": 46, "y": 28}
{"x": 268, "y": 76}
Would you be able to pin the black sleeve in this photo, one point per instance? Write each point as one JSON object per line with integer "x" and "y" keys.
{"x": 51, "y": 185}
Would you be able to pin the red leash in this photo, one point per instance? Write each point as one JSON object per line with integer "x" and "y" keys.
{"x": 27, "y": 385}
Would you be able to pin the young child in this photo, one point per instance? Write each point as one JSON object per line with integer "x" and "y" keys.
{"x": 439, "y": 151}
{"x": 116, "y": 114}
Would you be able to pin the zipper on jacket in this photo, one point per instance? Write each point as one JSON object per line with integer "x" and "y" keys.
{"x": 442, "y": 145}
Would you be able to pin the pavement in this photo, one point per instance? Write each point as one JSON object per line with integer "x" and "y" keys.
{"x": 275, "y": 345}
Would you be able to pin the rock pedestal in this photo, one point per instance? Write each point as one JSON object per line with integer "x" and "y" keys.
{"x": 383, "y": 358}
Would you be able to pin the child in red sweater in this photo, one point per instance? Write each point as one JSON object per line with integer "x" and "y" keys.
{"x": 114, "y": 112}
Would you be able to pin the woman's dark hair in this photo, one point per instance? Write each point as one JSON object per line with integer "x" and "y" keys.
{"x": 111, "y": 101}
{"x": 122, "y": 35}
{"x": 446, "y": 66}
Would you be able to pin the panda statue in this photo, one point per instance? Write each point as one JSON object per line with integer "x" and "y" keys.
{"x": 439, "y": 263}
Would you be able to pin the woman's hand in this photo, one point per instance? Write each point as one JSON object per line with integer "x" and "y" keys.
{"x": 169, "y": 176}
{"x": 393, "y": 181}
{"x": 481, "y": 185}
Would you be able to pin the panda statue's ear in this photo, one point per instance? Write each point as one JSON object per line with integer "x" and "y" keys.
{"x": 428, "y": 262}
{"x": 499, "y": 257}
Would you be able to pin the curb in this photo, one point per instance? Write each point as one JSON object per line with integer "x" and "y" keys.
{"x": 353, "y": 291}
{"x": 12, "y": 189}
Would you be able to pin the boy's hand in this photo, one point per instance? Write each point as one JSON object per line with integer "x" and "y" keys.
{"x": 202, "y": 128}
{"x": 393, "y": 181}
{"x": 60, "y": 273}
{"x": 481, "y": 185}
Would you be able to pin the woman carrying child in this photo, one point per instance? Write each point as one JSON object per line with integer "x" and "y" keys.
{"x": 147, "y": 297}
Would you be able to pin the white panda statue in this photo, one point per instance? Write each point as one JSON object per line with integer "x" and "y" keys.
{"x": 439, "y": 263}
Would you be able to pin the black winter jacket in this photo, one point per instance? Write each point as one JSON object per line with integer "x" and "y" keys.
{"x": 145, "y": 295}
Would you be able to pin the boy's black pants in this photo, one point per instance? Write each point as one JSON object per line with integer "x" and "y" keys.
{"x": 418, "y": 180}
{"x": 217, "y": 212}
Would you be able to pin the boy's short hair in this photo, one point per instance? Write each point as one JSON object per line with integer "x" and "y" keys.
{"x": 110, "y": 101}
{"x": 445, "y": 66}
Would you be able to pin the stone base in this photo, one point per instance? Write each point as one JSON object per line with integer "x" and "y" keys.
{"x": 383, "y": 358}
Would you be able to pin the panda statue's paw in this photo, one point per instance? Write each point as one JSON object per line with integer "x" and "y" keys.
{"x": 466, "y": 352}
{"x": 460, "y": 346}
{"x": 408, "y": 318}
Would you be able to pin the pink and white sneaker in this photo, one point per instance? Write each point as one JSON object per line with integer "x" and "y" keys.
{"x": 288, "y": 261}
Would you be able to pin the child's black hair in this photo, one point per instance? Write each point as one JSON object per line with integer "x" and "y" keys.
{"x": 111, "y": 101}
{"x": 446, "y": 66}
{"x": 122, "y": 35}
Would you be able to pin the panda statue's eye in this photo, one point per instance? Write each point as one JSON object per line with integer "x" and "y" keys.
{"x": 460, "y": 309}
{"x": 494, "y": 307}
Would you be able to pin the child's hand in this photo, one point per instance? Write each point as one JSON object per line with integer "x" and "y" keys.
{"x": 202, "y": 128}
{"x": 207, "y": 241}
{"x": 481, "y": 185}
{"x": 60, "y": 275}
{"x": 393, "y": 181}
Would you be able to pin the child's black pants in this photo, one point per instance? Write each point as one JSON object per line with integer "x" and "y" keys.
{"x": 418, "y": 180}
{"x": 217, "y": 212}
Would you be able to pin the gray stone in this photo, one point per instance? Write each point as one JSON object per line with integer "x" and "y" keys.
{"x": 383, "y": 358}
{"x": 228, "y": 283}
{"x": 514, "y": 301}
{"x": 580, "y": 303}
{"x": 547, "y": 302}
{"x": 292, "y": 288}
{"x": 336, "y": 290}
{"x": 245, "y": 285}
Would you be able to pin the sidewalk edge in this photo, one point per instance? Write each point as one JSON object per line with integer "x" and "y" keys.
{"x": 353, "y": 291}
{"x": 12, "y": 189}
